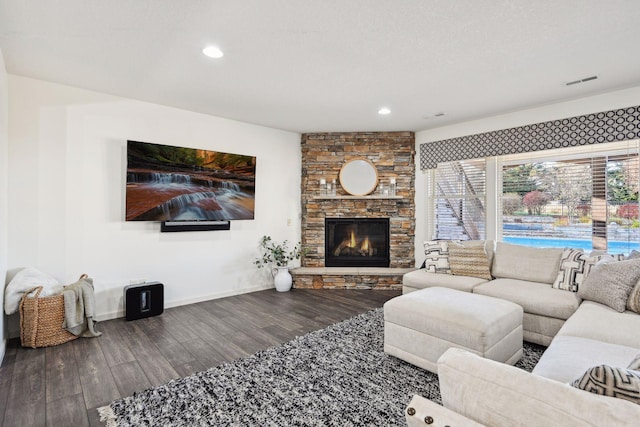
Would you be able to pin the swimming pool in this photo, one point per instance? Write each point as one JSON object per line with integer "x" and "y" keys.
{"x": 614, "y": 247}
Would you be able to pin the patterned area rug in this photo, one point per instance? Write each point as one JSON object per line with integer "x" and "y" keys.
{"x": 335, "y": 376}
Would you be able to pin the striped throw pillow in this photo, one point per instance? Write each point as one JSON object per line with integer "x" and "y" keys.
{"x": 608, "y": 381}
{"x": 635, "y": 364}
{"x": 469, "y": 260}
{"x": 437, "y": 256}
{"x": 571, "y": 271}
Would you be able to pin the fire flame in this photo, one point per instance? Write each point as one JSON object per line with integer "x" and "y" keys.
{"x": 365, "y": 245}
{"x": 364, "y": 248}
{"x": 352, "y": 241}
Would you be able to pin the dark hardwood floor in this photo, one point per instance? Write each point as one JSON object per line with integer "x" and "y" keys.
{"x": 63, "y": 385}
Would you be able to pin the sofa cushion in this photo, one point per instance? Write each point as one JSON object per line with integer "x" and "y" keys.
{"x": 602, "y": 323}
{"x": 533, "y": 297}
{"x": 526, "y": 263}
{"x": 489, "y": 247}
{"x": 568, "y": 357}
{"x": 611, "y": 283}
{"x": 499, "y": 395}
{"x": 420, "y": 279}
{"x": 469, "y": 260}
{"x": 611, "y": 381}
{"x": 437, "y": 256}
{"x": 540, "y": 329}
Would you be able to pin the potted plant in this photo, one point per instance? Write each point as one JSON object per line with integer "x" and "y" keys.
{"x": 278, "y": 256}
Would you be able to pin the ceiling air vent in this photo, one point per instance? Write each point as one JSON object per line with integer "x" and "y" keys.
{"x": 586, "y": 79}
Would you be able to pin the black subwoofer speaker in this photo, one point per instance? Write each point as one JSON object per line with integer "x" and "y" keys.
{"x": 143, "y": 300}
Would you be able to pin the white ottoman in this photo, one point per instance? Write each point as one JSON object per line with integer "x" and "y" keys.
{"x": 420, "y": 326}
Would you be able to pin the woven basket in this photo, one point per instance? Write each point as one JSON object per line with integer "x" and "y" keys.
{"x": 41, "y": 321}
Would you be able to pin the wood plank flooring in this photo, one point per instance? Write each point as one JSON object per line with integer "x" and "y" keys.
{"x": 63, "y": 385}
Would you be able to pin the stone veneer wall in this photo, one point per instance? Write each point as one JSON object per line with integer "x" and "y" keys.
{"x": 323, "y": 154}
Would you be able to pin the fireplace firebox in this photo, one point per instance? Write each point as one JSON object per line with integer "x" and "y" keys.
{"x": 356, "y": 242}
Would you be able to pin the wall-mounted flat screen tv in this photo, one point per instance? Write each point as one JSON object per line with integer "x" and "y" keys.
{"x": 167, "y": 183}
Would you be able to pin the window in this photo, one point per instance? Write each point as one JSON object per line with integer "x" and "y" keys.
{"x": 457, "y": 198}
{"x": 580, "y": 197}
{"x": 584, "y": 197}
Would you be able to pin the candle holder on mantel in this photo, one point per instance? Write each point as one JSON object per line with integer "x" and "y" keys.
{"x": 327, "y": 188}
{"x": 392, "y": 187}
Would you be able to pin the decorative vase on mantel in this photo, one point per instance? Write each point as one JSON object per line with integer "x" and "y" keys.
{"x": 282, "y": 279}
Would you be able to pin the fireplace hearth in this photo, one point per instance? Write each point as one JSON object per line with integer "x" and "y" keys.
{"x": 357, "y": 242}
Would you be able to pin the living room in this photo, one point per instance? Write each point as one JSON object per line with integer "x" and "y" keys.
{"x": 63, "y": 145}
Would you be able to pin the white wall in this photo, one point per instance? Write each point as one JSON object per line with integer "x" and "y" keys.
{"x": 67, "y": 161}
{"x": 577, "y": 107}
{"x": 4, "y": 103}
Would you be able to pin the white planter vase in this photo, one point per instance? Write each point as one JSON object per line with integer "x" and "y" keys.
{"x": 282, "y": 279}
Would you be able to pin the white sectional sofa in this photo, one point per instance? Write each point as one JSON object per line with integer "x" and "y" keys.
{"x": 580, "y": 335}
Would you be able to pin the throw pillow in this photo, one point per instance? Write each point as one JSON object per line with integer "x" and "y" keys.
{"x": 469, "y": 260}
{"x": 633, "y": 255}
{"x": 633, "y": 303}
{"x": 635, "y": 364}
{"x": 591, "y": 261}
{"x": 620, "y": 257}
{"x": 571, "y": 271}
{"x": 608, "y": 381}
{"x": 437, "y": 253}
{"x": 611, "y": 283}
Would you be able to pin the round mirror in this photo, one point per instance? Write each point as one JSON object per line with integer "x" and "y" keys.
{"x": 358, "y": 177}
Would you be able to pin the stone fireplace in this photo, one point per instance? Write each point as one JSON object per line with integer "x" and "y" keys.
{"x": 323, "y": 155}
{"x": 356, "y": 242}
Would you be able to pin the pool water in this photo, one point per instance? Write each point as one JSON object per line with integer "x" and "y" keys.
{"x": 614, "y": 247}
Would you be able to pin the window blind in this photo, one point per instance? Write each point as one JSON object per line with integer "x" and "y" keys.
{"x": 457, "y": 197}
{"x": 584, "y": 197}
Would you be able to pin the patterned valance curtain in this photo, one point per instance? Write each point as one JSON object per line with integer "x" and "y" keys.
{"x": 608, "y": 126}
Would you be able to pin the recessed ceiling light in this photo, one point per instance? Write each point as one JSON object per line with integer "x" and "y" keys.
{"x": 384, "y": 111}
{"x": 213, "y": 52}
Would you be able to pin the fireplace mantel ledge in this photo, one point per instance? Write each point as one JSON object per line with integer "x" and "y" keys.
{"x": 350, "y": 271}
{"x": 356, "y": 197}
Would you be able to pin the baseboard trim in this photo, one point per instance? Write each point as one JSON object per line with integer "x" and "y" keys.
{"x": 3, "y": 350}
{"x": 170, "y": 304}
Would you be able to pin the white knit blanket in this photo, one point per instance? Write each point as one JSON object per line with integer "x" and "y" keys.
{"x": 24, "y": 282}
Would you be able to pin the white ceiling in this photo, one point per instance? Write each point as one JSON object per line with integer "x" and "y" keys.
{"x": 329, "y": 65}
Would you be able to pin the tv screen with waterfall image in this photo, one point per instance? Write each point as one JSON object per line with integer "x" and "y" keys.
{"x": 167, "y": 183}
